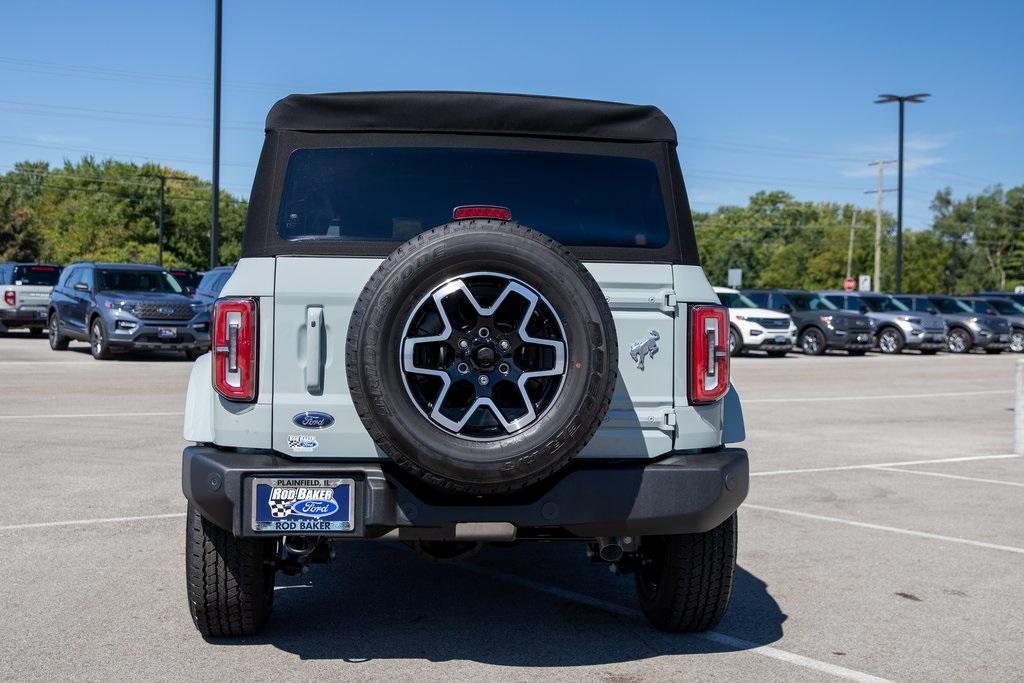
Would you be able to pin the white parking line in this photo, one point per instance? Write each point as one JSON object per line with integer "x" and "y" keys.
{"x": 890, "y": 529}
{"x": 51, "y": 363}
{"x": 85, "y": 522}
{"x": 50, "y": 416}
{"x": 951, "y": 476}
{"x": 713, "y": 636}
{"x": 877, "y": 465}
{"x": 876, "y": 397}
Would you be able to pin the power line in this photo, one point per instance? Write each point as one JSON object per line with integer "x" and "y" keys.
{"x": 109, "y": 74}
{"x": 100, "y": 152}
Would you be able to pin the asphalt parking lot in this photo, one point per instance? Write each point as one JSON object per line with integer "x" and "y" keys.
{"x": 883, "y": 537}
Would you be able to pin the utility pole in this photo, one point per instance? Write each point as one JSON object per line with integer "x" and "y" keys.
{"x": 849, "y": 253}
{"x": 879, "y": 191}
{"x": 160, "y": 224}
{"x": 215, "y": 196}
{"x": 902, "y": 100}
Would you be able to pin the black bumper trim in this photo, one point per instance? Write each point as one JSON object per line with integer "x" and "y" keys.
{"x": 684, "y": 493}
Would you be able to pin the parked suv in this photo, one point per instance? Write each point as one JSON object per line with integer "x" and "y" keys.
{"x": 24, "y": 291}
{"x": 1012, "y": 311}
{"x": 117, "y": 307}
{"x": 821, "y": 325}
{"x": 213, "y": 281}
{"x": 967, "y": 329}
{"x": 753, "y": 328}
{"x": 896, "y": 327}
{"x": 463, "y": 318}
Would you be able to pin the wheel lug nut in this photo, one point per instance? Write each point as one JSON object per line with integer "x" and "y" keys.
{"x": 483, "y": 333}
{"x": 483, "y": 379}
{"x": 503, "y": 368}
{"x": 503, "y": 344}
{"x": 463, "y": 368}
{"x": 463, "y": 344}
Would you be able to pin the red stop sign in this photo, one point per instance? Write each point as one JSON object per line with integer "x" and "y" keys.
{"x": 849, "y": 284}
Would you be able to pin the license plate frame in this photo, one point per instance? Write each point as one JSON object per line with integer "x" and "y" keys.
{"x": 316, "y": 520}
{"x": 169, "y": 333}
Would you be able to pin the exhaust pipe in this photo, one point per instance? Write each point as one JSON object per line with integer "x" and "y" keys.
{"x": 609, "y": 549}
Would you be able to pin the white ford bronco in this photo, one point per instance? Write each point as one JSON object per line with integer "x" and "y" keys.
{"x": 461, "y": 319}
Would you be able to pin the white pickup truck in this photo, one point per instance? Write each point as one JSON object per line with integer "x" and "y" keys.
{"x": 25, "y": 294}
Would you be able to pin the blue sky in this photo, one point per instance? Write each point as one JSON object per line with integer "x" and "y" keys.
{"x": 764, "y": 95}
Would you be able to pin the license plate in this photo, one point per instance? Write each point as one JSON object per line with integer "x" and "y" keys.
{"x": 301, "y": 505}
{"x": 41, "y": 315}
{"x": 780, "y": 340}
{"x": 167, "y": 333}
{"x": 862, "y": 337}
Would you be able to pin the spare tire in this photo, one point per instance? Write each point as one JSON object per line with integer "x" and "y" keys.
{"x": 481, "y": 356}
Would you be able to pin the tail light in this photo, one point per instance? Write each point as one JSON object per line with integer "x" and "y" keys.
{"x": 479, "y": 211}
{"x": 709, "y": 353}
{"x": 10, "y": 297}
{"x": 234, "y": 348}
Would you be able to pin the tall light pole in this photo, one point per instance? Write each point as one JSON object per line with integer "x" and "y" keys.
{"x": 215, "y": 203}
{"x": 902, "y": 99}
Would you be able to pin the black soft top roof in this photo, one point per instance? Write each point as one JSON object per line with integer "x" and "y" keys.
{"x": 473, "y": 113}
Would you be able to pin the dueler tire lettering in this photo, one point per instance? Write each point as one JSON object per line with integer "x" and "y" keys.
{"x": 512, "y": 460}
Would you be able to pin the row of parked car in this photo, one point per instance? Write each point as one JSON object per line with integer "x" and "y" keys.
{"x": 116, "y": 307}
{"x": 111, "y": 306}
{"x": 779, "y": 320}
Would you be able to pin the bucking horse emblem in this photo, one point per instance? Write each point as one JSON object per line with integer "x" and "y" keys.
{"x": 642, "y": 348}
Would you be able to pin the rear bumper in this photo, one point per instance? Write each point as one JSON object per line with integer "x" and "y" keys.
{"x": 24, "y": 316}
{"x": 678, "y": 494}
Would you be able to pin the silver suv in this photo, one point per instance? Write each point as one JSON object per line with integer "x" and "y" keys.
{"x": 458, "y": 319}
{"x": 895, "y": 326}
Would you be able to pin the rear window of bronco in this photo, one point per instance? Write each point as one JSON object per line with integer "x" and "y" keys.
{"x": 392, "y": 194}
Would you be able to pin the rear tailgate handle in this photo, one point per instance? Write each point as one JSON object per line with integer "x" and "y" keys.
{"x": 314, "y": 349}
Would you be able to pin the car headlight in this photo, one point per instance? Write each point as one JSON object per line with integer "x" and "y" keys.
{"x": 909, "y": 319}
{"x": 197, "y": 307}
{"x": 827, "y": 319}
{"x": 118, "y": 305}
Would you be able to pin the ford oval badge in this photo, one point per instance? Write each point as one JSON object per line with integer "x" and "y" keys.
{"x": 315, "y": 507}
{"x": 313, "y": 420}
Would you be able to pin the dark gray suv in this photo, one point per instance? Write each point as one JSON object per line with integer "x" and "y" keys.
{"x": 822, "y": 325}
{"x": 117, "y": 306}
{"x": 967, "y": 329}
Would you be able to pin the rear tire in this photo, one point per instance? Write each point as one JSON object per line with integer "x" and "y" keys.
{"x": 58, "y": 342}
{"x": 229, "y": 580}
{"x": 812, "y": 341}
{"x": 685, "y": 580}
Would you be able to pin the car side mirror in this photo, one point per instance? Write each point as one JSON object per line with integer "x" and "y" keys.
{"x": 786, "y": 308}
{"x": 863, "y": 309}
{"x": 933, "y": 310}
{"x": 81, "y": 287}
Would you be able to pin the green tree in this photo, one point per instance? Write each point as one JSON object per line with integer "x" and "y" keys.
{"x": 19, "y": 239}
